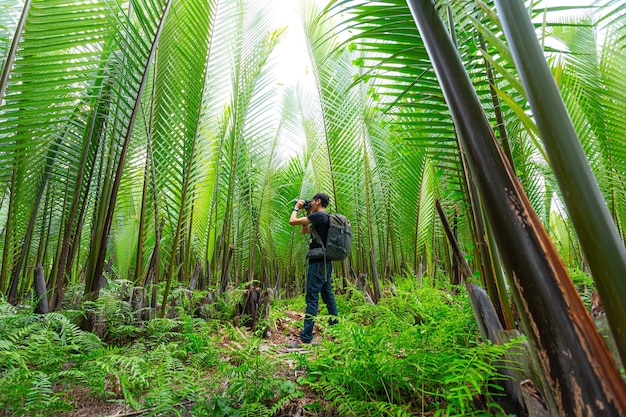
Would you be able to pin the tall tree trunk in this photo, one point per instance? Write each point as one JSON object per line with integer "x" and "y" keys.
{"x": 142, "y": 225}
{"x": 52, "y": 152}
{"x": 497, "y": 108}
{"x": 226, "y": 271}
{"x": 456, "y": 266}
{"x": 599, "y": 238}
{"x": 180, "y": 223}
{"x": 553, "y": 314}
{"x": 375, "y": 281}
{"x": 92, "y": 287}
{"x": 8, "y": 235}
{"x": 40, "y": 290}
{"x": 456, "y": 251}
{"x": 62, "y": 266}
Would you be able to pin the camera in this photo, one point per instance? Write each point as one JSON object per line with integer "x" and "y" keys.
{"x": 307, "y": 204}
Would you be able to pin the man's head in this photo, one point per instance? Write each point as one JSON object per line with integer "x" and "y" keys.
{"x": 323, "y": 199}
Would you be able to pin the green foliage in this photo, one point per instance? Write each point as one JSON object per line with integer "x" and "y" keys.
{"x": 37, "y": 357}
{"x": 155, "y": 367}
{"x": 254, "y": 385}
{"x": 411, "y": 354}
{"x": 415, "y": 351}
{"x": 584, "y": 284}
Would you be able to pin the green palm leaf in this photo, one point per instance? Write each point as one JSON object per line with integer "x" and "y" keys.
{"x": 179, "y": 78}
{"x": 48, "y": 83}
{"x": 591, "y": 85}
{"x": 82, "y": 92}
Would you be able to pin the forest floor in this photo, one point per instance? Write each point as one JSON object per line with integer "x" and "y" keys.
{"x": 276, "y": 344}
{"x": 416, "y": 352}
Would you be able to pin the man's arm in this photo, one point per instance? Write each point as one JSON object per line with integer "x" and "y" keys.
{"x": 294, "y": 220}
{"x": 306, "y": 228}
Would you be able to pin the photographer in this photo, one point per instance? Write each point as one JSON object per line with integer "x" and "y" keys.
{"x": 319, "y": 269}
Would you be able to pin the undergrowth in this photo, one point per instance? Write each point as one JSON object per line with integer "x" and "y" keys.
{"x": 413, "y": 354}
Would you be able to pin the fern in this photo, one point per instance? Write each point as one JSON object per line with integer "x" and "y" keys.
{"x": 254, "y": 410}
{"x": 161, "y": 330}
{"x": 40, "y": 392}
{"x": 284, "y": 400}
{"x": 417, "y": 348}
{"x": 40, "y": 398}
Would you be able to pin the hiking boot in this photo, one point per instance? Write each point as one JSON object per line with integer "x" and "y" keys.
{"x": 297, "y": 344}
{"x": 294, "y": 345}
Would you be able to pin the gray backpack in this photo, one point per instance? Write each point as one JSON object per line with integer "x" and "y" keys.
{"x": 338, "y": 240}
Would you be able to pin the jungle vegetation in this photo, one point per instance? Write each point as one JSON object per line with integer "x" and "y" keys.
{"x": 150, "y": 156}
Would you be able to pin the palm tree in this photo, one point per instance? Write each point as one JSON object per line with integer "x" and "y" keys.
{"x": 65, "y": 112}
{"x": 377, "y": 21}
{"x": 135, "y": 110}
{"x": 139, "y": 141}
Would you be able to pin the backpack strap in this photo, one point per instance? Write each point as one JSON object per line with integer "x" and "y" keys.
{"x": 318, "y": 239}
{"x": 316, "y": 235}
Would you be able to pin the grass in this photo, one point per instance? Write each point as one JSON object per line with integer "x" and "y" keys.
{"x": 415, "y": 354}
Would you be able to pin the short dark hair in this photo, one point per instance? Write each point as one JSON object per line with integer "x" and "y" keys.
{"x": 325, "y": 199}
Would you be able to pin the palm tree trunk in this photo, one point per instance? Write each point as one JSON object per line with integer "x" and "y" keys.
{"x": 456, "y": 251}
{"x": 490, "y": 261}
{"x": 500, "y": 288}
{"x": 93, "y": 288}
{"x": 8, "y": 234}
{"x": 44, "y": 230}
{"x": 180, "y": 223}
{"x": 552, "y": 312}
{"x": 17, "y": 269}
{"x": 142, "y": 225}
{"x": 226, "y": 270}
{"x": 10, "y": 58}
{"x": 106, "y": 175}
{"x": 40, "y": 290}
{"x": 596, "y": 229}
{"x": 375, "y": 281}
{"x": 497, "y": 108}
{"x": 52, "y": 282}
{"x": 61, "y": 263}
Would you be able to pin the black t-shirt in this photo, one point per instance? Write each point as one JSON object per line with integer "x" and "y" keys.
{"x": 319, "y": 221}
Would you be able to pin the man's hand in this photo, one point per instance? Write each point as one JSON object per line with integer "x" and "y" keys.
{"x": 294, "y": 220}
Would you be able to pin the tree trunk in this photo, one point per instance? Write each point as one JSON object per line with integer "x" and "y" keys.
{"x": 491, "y": 329}
{"x": 40, "y": 291}
{"x": 193, "y": 282}
{"x": 92, "y": 290}
{"x": 555, "y": 319}
{"x": 455, "y": 247}
{"x": 375, "y": 281}
{"x": 603, "y": 247}
{"x": 535, "y": 404}
{"x": 226, "y": 271}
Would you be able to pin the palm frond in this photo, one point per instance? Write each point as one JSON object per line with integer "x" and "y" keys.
{"x": 591, "y": 86}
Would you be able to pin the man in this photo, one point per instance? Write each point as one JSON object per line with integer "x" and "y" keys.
{"x": 319, "y": 269}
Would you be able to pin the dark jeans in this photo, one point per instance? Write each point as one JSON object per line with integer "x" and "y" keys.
{"x": 317, "y": 283}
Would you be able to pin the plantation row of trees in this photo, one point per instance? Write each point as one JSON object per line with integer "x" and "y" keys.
{"x": 151, "y": 141}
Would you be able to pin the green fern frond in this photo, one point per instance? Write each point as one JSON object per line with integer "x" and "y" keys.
{"x": 41, "y": 390}
{"x": 253, "y": 410}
